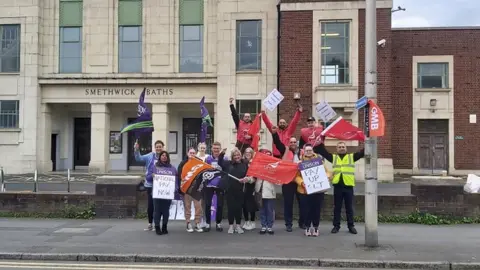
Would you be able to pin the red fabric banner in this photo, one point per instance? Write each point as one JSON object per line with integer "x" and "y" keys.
{"x": 191, "y": 169}
{"x": 272, "y": 169}
{"x": 254, "y": 130}
{"x": 376, "y": 120}
{"x": 343, "y": 130}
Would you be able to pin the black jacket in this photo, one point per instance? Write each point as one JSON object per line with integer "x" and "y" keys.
{"x": 238, "y": 170}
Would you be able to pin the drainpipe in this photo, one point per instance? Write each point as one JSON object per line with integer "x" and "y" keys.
{"x": 278, "y": 55}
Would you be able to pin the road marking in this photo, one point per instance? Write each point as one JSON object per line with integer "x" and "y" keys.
{"x": 130, "y": 266}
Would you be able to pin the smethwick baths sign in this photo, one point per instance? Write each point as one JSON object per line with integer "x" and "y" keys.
{"x": 127, "y": 91}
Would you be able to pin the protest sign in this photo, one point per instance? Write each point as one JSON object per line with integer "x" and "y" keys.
{"x": 314, "y": 175}
{"x": 325, "y": 111}
{"x": 273, "y": 99}
{"x": 164, "y": 187}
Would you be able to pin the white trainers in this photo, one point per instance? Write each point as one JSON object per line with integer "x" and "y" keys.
{"x": 239, "y": 230}
{"x": 198, "y": 228}
{"x": 231, "y": 230}
{"x": 189, "y": 228}
{"x": 252, "y": 225}
{"x": 149, "y": 228}
{"x": 307, "y": 232}
{"x": 245, "y": 225}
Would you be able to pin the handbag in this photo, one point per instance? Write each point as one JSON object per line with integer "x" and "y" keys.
{"x": 258, "y": 196}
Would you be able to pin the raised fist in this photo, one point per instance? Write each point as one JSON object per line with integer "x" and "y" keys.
{"x": 231, "y": 100}
{"x": 274, "y": 129}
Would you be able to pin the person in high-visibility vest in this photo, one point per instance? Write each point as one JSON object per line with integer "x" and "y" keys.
{"x": 343, "y": 182}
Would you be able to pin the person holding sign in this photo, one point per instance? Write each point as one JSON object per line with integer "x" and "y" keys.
{"x": 290, "y": 153}
{"x": 244, "y": 140}
{"x": 343, "y": 182}
{"x": 165, "y": 185}
{"x": 285, "y": 130}
{"x": 312, "y": 181}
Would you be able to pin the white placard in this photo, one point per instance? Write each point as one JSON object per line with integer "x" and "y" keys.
{"x": 180, "y": 214}
{"x": 164, "y": 187}
{"x": 325, "y": 111}
{"x": 314, "y": 176}
{"x": 273, "y": 99}
{"x": 473, "y": 118}
{"x": 173, "y": 209}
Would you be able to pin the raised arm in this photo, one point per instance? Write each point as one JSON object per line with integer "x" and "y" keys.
{"x": 293, "y": 124}
{"x": 267, "y": 121}
{"x": 235, "y": 117}
{"x": 277, "y": 142}
{"x": 301, "y": 143}
{"x": 321, "y": 150}
{"x": 138, "y": 156}
{"x": 222, "y": 162}
{"x": 358, "y": 155}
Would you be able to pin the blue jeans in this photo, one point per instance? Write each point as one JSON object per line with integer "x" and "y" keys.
{"x": 266, "y": 212}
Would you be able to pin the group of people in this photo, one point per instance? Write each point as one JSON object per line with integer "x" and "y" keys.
{"x": 247, "y": 195}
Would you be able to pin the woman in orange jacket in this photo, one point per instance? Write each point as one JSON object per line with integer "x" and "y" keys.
{"x": 311, "y": 203}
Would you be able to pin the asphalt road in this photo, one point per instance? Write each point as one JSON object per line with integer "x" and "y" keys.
{"x": 11, "y": 265}
{"x": 88, "y": 187}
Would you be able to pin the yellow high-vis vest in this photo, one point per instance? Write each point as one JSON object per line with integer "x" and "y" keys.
{"x": 344, "y": 167}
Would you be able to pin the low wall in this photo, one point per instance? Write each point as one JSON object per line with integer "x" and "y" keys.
{"x": 119, "y": 199}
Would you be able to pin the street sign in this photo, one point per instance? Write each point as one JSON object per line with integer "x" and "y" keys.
{"x": 362, "y": 102}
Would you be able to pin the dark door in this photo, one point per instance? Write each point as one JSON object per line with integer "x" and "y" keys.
{"x": 191, "y": 134}
{"x": 81, "y": 141}
{"x": 144, "y": 141}
{"x": 53, "y": 152}
{"x": 433, "y": 146}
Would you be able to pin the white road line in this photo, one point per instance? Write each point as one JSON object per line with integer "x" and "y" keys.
{"x": 132, "y": 266}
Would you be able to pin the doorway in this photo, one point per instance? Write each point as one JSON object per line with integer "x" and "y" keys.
{"x": 145, "y": 143}
{"x": 191, "y": 134}
{"x": 53, "y": 152}
{"x": 432, "y": 146}
{"x": 81, "y": 142}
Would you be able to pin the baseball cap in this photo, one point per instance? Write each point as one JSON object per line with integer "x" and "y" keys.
{"x": 311, "y": 119}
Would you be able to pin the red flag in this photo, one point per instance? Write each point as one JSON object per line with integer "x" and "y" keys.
{"x": 272, "y": 169}
{"x": 254, "y": 130}
{"x": 376, "y": 120}
{"x": 343, "y": 130}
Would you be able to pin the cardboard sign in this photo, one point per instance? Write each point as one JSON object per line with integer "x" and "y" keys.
{"x": 314, "y": 175}
{"x": 164, "y": 187}
{"x": 273, "y": 99}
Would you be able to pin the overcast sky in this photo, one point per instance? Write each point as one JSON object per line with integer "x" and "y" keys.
{"x": 434, "y": 13}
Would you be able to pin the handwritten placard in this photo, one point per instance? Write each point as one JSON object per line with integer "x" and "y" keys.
{"x": 273, "y": 99}
{"x": 325, "y": 111}
{"x": 164, "y": 187}
{"x": 314, "y": 175}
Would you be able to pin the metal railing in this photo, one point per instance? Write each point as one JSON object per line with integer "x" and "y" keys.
{"x": 36, "y": 182}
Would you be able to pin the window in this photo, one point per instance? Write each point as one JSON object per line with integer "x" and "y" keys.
{"x": 9, "y": 113}
{"x": 130, "y": 54}
{"x": 71, "y": 19}
{"x": 191, "y": 36}
{"x": 253, "y": 107}
{"x": 433, "y": 75}
{"x": 249, "y": 45}
{"x": 335, "y": 53}
{"x": 10, "y": 48}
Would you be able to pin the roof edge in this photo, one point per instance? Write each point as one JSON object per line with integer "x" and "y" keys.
{"x": 436, "y": 28}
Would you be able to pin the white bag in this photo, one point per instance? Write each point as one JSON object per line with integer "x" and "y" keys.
{"x": 473, "y": 184}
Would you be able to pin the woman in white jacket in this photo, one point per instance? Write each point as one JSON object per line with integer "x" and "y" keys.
{"x": 269, "y": 196}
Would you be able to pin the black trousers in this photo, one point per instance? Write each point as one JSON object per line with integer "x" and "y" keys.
{"x": 149, "y": 205}
{"x": 249, "y": 204}
{"x": 208, "y": 195}
{"x": 312, "y": 208}
{"x": 343, "y": 194}
{"x": 289, "y": 191}
{"x": 234, "y": 206}
{"x": 161, "y": 211}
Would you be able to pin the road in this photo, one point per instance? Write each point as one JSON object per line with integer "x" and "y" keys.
{"x": 11, "y": 265}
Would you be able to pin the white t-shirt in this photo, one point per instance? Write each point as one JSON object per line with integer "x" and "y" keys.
{"x": 203, "y": 158}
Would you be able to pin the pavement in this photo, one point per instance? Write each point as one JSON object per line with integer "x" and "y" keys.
{"x": 401, "y": 246}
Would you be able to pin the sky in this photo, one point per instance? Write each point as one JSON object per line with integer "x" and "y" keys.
{"x": 436, "y": 13}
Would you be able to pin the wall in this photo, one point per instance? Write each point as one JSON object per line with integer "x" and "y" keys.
{"x": 20, "y": 143}
{"x": 464, "y": 46}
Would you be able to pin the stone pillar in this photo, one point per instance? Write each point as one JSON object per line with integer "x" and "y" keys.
{"x": 44, "y": 139}
{"x": 160, "y": 119}
{"x": 99, "y": 154}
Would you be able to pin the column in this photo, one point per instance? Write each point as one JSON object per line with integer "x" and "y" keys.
{"x": 160, "y": 119}
{"x": 44, "y": 139}
{"x": 99, "y": 154}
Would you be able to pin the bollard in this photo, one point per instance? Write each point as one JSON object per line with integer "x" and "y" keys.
{"x": 68, "y": 180}
{"x": 35, "y": 178}
{"x": 3, "y": 180}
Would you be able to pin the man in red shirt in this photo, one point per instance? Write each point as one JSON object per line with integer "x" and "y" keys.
{"x": 285, "y": 131}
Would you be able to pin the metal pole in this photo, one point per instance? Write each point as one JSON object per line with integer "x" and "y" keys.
{"x": 68, "y": 180}
{"x": 35, "y": 178}
{"x": 371, "y": 192}
{"x": 3, "y": 180}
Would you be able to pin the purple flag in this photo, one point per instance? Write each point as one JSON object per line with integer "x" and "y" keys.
{"x": 143, "y": 123}
{"x": 206, "y": 120}
{"x": 214, "y": 207}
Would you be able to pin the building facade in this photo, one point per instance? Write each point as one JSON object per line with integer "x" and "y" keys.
{"x": 72, "y": 71}
{"x": 427, "y": 82}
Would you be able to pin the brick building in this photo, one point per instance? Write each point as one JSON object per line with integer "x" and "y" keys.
{"x": 428, "y": 82}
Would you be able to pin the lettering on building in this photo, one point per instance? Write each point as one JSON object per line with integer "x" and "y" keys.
{"x": 127, "y": 91}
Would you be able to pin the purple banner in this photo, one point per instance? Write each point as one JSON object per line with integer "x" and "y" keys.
{"x": 307, "y": 164}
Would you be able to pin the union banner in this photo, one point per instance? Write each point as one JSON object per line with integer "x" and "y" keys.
{"x": 272, "y": 169}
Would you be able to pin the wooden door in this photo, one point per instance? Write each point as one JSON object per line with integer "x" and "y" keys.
{"x": 433, "y": 146}
{"x": 81, "y": 140}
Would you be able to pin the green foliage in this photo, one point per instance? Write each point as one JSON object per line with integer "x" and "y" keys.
{"x": 69, "y": 212}
{"x": 425, "y": 219}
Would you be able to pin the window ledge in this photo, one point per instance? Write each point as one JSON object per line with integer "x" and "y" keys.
{"x": 336, "y": 87}
{"x": 249, "y": 72}
{"x": 9, "y": 73}
{"x": 433, "y": 89}
{"x": 10, "y": 130}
